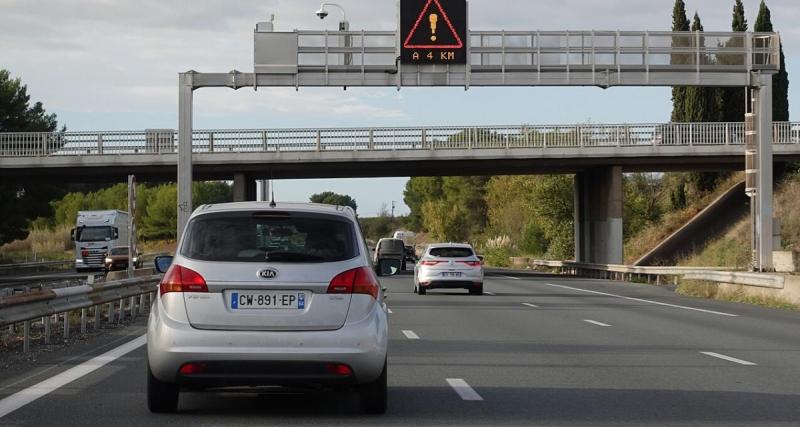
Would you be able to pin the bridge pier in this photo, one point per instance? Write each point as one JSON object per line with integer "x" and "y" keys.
{"x": 598, "y": 215}
{"x": 244, "y": 188}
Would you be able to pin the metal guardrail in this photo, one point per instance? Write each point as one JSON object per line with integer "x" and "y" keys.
{"x": 392, "y": 138}
{"x": 657, "y": 274}
{"x": 42, "y": 305}
{"x": 37, "y": 266}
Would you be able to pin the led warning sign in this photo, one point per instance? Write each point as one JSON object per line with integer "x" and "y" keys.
{"x": 433, "y": 31}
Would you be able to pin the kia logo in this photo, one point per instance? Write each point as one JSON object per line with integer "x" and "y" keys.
{"x": 268, "y": 273}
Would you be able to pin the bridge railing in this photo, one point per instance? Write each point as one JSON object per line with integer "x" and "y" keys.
{"x": 588, "y": 136}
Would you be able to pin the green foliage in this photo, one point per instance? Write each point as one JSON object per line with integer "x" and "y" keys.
{"x": 780, "y": 82}
{"x": 732, "y": 99}
{"x": 418, "y": 191}
{"x": 445, "y": 221}
{"x": 156, "y": 206}
{"x": 536, "y": 211}
{"x": 643, "y": 201}
{"x": 161, "y": 218}
{"x": 331, "y": 198}
{"x": 497, "y": 257}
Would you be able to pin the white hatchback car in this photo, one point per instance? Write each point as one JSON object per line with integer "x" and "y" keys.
{"x": 449, "y": 266}
{"x": 268, "y": 296}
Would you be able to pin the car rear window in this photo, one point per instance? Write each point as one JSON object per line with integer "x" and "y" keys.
{"x": 272, "y": 236}
{"x": 391, "y": 245}
{"x": 451, "y": 252}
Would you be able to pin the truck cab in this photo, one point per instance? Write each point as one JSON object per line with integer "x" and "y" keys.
{"x": 95, "y": 233}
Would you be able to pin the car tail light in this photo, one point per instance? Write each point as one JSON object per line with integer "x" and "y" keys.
{"x": 339, "y": 369}
{"x": 360, "y": 280}
{"x": 193, "y": 368}
{"x": 182, "y": 279}
{"x": 430, "y": 262}
{"x": 471, "y": 263}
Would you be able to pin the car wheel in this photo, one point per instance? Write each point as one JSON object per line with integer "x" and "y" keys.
{"x": 421, "y": 290}
{"x": 373, "y": 396}
{"x": 476, "y": 290}
{"x": 161, "y": 397}
{"x": 403, "y": 266}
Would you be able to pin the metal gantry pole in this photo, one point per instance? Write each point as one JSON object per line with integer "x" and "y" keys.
{"x": 185, "y": 101}
{"x": 764, "y": 210}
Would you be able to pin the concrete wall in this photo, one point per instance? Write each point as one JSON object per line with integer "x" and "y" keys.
{"x": 789, "y": 294}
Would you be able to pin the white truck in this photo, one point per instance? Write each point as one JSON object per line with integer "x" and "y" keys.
{"x": 95, "y": 234}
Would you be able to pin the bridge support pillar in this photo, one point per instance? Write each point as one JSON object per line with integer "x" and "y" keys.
{"x": 244, "y": 188}
{"x": 598, "y": 215}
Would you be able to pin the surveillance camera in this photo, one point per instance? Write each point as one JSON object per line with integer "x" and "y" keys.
{"x": 322, "y": 13}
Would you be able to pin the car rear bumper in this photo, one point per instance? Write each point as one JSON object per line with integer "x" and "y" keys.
{"x": 451, "y": 284}
{"x": 277, "y": 358}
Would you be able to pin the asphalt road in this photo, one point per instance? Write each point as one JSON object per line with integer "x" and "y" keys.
{"x": 536, "y": 350}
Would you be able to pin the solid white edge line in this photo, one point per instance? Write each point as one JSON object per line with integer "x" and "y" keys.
{"x": 728, "y": 358}
{"x": 595, "y": 322}
{"x": 28, "y": 395}
{"x": 644, "y": 300}
{"x": 510, "y": 277}
{"x": 411, "y": 335}
{"x": 463, "y": 389}
{"x": 491, "y": 294}
{"x": 530, "y": 305}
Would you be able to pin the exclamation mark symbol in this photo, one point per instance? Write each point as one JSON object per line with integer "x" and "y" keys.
{"x": 434, "y": 18}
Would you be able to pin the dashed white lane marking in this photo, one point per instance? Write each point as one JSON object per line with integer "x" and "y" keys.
{"x": 530, "y": 305}
{"x": 489, "y": 293}
{"x": 644, "y": 300}
{"x": 24, "y": 397}
{"x": 463, "y": 389}
{"x": 510, "y": 277}
{"x": 728, "y": 358}
{"x": 411, "y": 335}
{"x": 595, "y": 322}
{"x": 389, "y": 310}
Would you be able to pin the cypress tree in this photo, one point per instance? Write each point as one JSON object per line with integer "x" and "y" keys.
{"x": 679, "y": 23}
{"x": 780, "y": 82}
{"x": 699, "y": 102}
{"x": 732, "y": 99}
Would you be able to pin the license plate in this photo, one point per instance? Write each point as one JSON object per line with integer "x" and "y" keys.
{"x": 268, "y": 300}
{"x": 451, "y": 274}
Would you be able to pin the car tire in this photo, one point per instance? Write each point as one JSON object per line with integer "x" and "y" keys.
{"x": 476, "y": 290}
{"x": 421, "y": 290}
{"x": 373, "y": 396}
{"x": 403, "y": 266}
{"x": 162, "y": 398}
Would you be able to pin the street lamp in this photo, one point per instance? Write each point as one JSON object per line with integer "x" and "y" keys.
{"x": 344, "y": 25}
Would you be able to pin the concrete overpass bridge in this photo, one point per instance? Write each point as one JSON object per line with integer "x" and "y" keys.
{"x": 597, "y": 154}
{"x": 385, "y": 152}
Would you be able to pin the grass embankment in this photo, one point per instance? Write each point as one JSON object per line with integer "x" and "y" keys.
{"x": 733, "y": 249}
{"x": 651, "y": 236}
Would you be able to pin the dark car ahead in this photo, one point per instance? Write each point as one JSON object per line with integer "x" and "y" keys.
{"x": 117, "y": 259}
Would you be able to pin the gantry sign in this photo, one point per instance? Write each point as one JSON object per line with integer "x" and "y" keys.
{"x": 433, "y": 31}
{"x": 434, "y": 47}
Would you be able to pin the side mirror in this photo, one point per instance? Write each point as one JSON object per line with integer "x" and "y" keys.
{"x": 480, "y": 257}
{"x": 387, "y": 267}
{"x": 162, "y": 263}
{"x": 72, "y": 235}
{"x": 116, "y": 233}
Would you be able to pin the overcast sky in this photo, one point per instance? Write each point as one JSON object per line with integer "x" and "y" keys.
{"x": 113, "y": 65}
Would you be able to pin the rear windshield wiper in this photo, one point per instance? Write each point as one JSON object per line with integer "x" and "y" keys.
{"x": 293, "y": 257}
